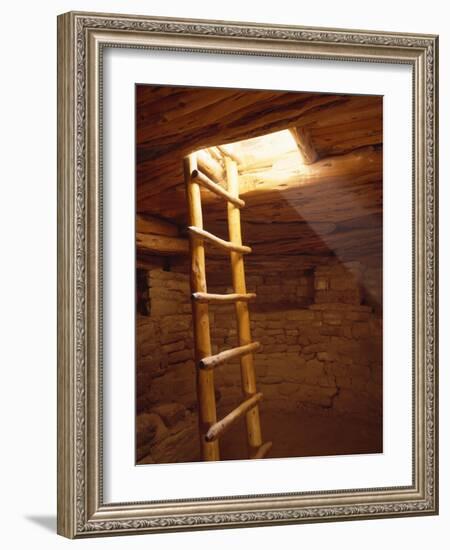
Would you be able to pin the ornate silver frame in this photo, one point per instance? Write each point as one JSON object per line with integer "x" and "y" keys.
{"x": 81, "y": 37}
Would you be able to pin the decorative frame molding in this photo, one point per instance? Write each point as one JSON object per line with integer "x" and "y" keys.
{"x": 81, "y": 37}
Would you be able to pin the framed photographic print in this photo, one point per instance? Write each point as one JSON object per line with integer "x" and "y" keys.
{"x": 247, "y": 274}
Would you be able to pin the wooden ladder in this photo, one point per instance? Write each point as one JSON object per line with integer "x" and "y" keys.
{"x": 210, "y": 428}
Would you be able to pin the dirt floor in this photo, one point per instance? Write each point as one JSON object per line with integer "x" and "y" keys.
{"x": 306, "y": 434}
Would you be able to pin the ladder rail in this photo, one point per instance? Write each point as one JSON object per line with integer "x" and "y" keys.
{"x": 248, "y": 378}
{"x": 223, "y": 425}
{"x": 262, "y": 451}
{"x": 207, "y": 411}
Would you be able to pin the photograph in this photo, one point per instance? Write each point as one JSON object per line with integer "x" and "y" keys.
{"x": 259, "y": 274}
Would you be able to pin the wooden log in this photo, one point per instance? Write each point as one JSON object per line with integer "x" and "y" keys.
{"x": 220, "y": 427}
{"x": 329, "y": 148}
{"x": 150, "y": 261}
{"x": 353, "y": 108}
{"x": 210, "y": 166}
{"x": 173, "y": 104}
{"x": 227, "y": 150}
{"x": 248, "y": 119}
{"x": 159, "y": 244}
{"x": 262, "y": 451}
{"x": 343, "y": 129}
{"x": 323, "y": 187}
{"x": 204, "y": 378}
{"x": 206, "y": 182}
{"x": 305, "y": 145}
{"x": 231, "y": 107}
{"x": 312, "y": 243}
{"x": 228, "y": 355}
{"x": 254, "y": 436}
{"x": 195, "y": 104}
{"x": 227, "y": 245}
{"x": 155, "y": 226}
{"x": 223, "y": 298}
{"x": 278, "y": 148}
{"x": 216, "y": 154}
{"x": 245, "y": 115}
{"x": 262, "y": 232}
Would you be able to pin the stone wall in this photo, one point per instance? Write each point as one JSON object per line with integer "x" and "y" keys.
{"x": 325, "y": 355}
{"x": 166, "y": 428}
{"x": 289, "y": 290}
{"x": 321, "y": 339}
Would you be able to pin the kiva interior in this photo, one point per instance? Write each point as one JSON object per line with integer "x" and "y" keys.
{"x": 307, "y": 171}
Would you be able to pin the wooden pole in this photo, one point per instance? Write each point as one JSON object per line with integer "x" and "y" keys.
{"x": 228, "y": 355}
{"x": 226, "y": 245}
{"x": 215, "y": 188}
{"x": 155, "y": 226}
{"x": 210, "y": 166}
{"x": 223, "y": 298}
{"x": 162, "y": 245}
{"x": 227, "y": 151}
{"x": 220, "y": 427}
{"x": 205, "y": 378}
{"x": 262, "y": 451}
{"x": 243, "y": 319}
{"x": 305, "y": 145}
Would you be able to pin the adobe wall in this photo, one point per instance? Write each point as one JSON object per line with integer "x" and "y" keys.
{"x": 321, "y": 339}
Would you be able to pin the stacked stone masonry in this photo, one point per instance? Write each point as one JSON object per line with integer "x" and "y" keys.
{"x": 321, "y": 339}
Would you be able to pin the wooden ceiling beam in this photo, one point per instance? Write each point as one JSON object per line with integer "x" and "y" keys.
{"x": 331, "y": 203}
{"x": 147, "y": 224}
{"x": 211, "y": 167}
{"x": 305, "y": 145}
{"x": 161, "y": 245}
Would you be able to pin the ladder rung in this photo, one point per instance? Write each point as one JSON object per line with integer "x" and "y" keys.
{"x": 224, "y": 356}
{"x": 227, "y": 245}
{"x": 202, "y": 179}
{"x": 204, "y": 297}
{"x": 218, "y": 429}
{"x": 262, "y": 451}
